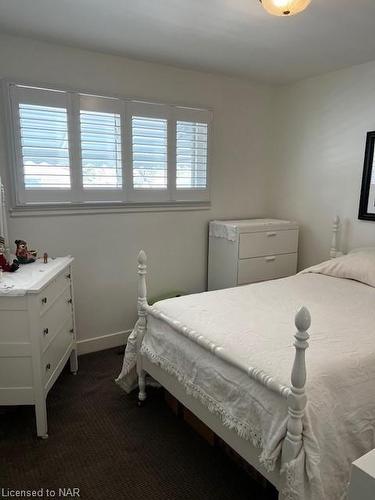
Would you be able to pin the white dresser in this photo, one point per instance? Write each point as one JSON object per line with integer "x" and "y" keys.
{"x": 248, "y": 251}
{"x": 37, "y": 333}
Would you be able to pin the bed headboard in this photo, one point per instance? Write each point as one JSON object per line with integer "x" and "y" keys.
{"x": 334, "y": 251}
{"x": 3, "y": 218}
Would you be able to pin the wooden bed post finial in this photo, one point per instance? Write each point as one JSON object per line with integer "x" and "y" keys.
{"x": 142, "y": 257}
{"x": 297, "y": 399}
{"x": 335, "y": 229}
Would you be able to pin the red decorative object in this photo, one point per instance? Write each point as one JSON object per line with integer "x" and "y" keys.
{"x": 4, "y": 264}
{"x": 24, "y": 256}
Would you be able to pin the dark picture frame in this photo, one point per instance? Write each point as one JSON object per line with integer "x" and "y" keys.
{"x": 367, "y": 200}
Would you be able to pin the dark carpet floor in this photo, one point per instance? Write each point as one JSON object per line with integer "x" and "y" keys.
{"x": 101, "y": 442}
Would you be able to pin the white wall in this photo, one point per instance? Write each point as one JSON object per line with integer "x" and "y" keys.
{"x": 105, "y": 246}
{"x": 320, "y": 138}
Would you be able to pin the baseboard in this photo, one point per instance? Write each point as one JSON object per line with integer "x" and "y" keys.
{"x": 104, "y": 342}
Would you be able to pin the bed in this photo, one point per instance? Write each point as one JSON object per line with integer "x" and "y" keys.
{"x": 227, "y": 356}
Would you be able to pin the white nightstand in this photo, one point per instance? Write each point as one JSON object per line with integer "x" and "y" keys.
{"x": 252, "y": 250}
{"x": 362, "y": 483}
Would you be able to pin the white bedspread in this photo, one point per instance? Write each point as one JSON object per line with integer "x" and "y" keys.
{"x": 254, "y": 324}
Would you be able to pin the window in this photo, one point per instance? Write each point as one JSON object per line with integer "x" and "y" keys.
{"x": 191, "y": 151}
{"x": 149, "y": 149}
{"x": 44, "y": 147}
{"x": 76, "y": 148}
{"x": 99, "y": 162}
{"x": 101, "y": 150}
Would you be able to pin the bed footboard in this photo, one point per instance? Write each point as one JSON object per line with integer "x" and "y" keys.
{"x": 295, "y": 393}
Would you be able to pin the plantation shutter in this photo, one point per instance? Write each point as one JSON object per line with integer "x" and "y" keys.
{"x": 149, "y": 151}
{"x": 101, "y": 147}
{"x": 191, "y": 155}
{"x": 42, "y": 144}
{"x": 78, "y": 148}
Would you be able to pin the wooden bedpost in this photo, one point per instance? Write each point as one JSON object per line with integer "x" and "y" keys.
{"x": 335, "y": 229}
{"x": 142, "y": 301}
{"x": 3, "y": 221}
{"x": 297, "y": 398}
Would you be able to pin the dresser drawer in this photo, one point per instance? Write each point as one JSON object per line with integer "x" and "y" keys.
{"x": 55, "y": 351}
{"x": 53, "y": 290}
{"x": 15, "y": 372}
{"x": 55, "y": 317}
{"x": 268, "y": 243}
{"x": 266, "y": 268}
{"x": 14, "y": 326}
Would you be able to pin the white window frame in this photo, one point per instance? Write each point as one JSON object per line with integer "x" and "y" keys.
{"x": 77, "y": 196}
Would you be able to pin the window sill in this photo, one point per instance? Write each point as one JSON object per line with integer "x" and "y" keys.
{"x": 41, "y": 210}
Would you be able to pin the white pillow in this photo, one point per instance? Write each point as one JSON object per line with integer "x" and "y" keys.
{"x": 358, "y": 265}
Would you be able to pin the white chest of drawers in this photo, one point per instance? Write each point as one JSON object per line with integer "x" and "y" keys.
{"x": 37, "y": 333}
{"x": 248, "y": 251}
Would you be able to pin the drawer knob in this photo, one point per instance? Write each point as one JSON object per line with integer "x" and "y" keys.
{"x": 45, "y": 331}
{"x": 71, "y": 330}
{"x": 68, "y": 276}
{"x": 44, "y": 300}
{"x": 271, "y": 234}
{"x": 270, "y": 259}
{"x": 70, "y": 301}
{"x": 48, "y": 366}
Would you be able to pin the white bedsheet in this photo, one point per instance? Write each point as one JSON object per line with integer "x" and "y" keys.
{"x": 254, "y": 324}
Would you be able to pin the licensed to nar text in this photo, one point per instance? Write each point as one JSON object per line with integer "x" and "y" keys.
{"x": 40, "y": 493}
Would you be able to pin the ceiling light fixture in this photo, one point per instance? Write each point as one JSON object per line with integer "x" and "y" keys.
{"x": 284, "y": 7}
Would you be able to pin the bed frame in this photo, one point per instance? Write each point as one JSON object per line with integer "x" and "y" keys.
{"x": 294, "y": 394}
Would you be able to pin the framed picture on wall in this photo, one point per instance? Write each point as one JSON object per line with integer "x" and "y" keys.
{"x": 367, "y": 201}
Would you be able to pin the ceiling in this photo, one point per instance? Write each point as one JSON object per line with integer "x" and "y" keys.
{"x": 235, "y": 37}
